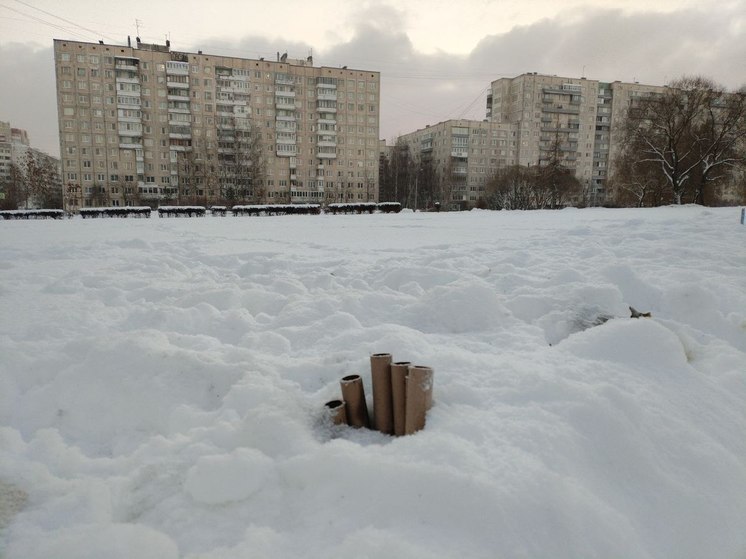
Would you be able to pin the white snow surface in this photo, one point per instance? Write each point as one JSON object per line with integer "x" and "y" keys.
{"x": 162, "y": 385}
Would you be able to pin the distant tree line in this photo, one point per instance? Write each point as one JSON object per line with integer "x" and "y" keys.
{"x": 549, "y": 185}
{"x": 410, "y": 180}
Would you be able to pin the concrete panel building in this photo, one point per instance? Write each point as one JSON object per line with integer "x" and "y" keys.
{"x": 464, "y": 154}
{"x": 575, "y": 118}
{"x": 144, "y": 124}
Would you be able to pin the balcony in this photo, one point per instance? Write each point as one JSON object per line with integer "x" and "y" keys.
{"x": 288, "y": 151}
{"x": 182, "y": 98}
{"x": 285, "y": 80}
{"x": 128, "y": 145}
{"x": 135, "y": 105}
{"x": 461, "y": 153}
{"x": 132, "y": 119}
{"x": 127, "y": 78}
{"x": 126, "y": 62}
{"x": 286, "y": 118}
{"x": 177, "y": 85}
{"x": 326, "y": 155}
{"x": 327, "y": 96}
{"x": 130, "y": 133}
{"x": 177, "y": 68}
{"x": 284, "y": 103}
{"x": 555, "y": 90}
{"x": 561, "y": 109}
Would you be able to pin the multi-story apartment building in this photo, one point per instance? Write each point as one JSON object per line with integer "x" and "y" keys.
{"x": 573, "y": 119}
{"x": 6, "y": 151}
{"x": 146, "y": 124}
{"x": 464, "y": 154}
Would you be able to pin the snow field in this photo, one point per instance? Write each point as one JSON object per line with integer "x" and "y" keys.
{"x": 162, "y": 385}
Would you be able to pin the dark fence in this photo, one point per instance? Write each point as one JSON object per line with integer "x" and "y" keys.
{"x": 277, "y": 209}
{"x": 364, "y": 207}
{"x": 32, "y": 214}
{"x": 116, "y": 211}
{"x": 182, "y": 211}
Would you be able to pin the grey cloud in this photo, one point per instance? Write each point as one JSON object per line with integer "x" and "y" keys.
{"x": 652, "y": 48}
{"x": 27, "y": 96}
{"x": 420, "y": 89}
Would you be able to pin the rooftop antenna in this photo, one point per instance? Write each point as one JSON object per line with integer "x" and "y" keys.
{"x": 137, "y": 26}
{"x": 582, "y": 74}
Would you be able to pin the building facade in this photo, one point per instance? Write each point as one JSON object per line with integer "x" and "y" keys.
{"x": 143, "y": 124}
{"x": 573, "y": 119}
{"x": 463, "y": 154}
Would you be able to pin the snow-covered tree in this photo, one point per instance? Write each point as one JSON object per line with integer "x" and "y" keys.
{"x": 691, "y": 133}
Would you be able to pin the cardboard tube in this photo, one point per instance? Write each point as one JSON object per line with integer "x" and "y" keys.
{"x": 399, "y": 372}
{"x": 383, "y": 407}
{"x": 337, "y": 412}
{"x": 419, "y": 397}
{"x": 353, "y": 395}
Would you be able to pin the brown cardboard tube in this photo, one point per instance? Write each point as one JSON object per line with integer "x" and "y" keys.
{"x": 399, "y": 373}
{"x": 419, "y": 397}
{"x": 354, "y": 396}
{"x": 337, "y": 412}
{"x": 383, "y": 408}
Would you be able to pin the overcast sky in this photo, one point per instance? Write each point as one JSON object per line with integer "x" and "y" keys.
{"x": 436, "y": 57}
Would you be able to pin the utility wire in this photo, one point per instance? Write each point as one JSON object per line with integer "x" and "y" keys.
{"x": 39, "y": 20}
{"x": 95, "y": 33}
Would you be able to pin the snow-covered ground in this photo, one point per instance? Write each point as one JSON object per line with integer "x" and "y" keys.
{"x": 162, "y": 384}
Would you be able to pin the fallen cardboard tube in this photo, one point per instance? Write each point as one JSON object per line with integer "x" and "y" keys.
{"x": 399, "y": 372}
{"x": 353, "y": 395}
{"x": 337, "y": 412}
{"x": 383, "y": 407}
{"x": 419, "y": 397}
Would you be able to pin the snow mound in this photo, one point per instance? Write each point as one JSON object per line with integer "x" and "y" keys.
{"x": 93, "y": 541}
{"x": 230, "y": 477}
{"x": 634, "y": 342}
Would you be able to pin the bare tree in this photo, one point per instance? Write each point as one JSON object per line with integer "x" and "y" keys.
{"x": 14, "y": 189}
{"x": 556, "y": 183}
{"x": 511, "y": 188}
{"x": 719, "y": 140}
{"x": 99, "y": 196}
{"x": 637, "y": 183}
{"x": 397, "y": 179}
{"x": 40, "y": 180}
{"x": 690, "y": 132}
